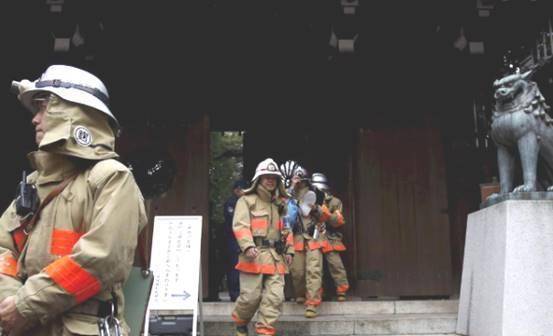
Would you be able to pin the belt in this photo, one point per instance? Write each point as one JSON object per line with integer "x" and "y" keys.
{"x": 260, "y": 242}
{"x": 95, "y": 308}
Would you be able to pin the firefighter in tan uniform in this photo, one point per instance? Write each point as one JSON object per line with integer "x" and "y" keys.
{"x": 307, "y": 266}
{"x": 267, "y": 250}
{"x": 332, "y": 243}
{"x": 63, "y": 264}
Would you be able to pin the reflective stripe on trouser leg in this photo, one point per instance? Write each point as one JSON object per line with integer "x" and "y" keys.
{"x": 337, "y": 271}
{"x": 247, "y": 303}
{"x": 297, "y": 270}
{"x": 313, "y": 277}
{"x": 270, "y": 308}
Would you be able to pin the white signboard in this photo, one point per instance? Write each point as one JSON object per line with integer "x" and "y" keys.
{"x": 175, "y": 262}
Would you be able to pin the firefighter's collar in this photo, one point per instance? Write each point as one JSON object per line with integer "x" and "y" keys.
{"x": 264, "y": 194}
{"x": 51, "y": 167}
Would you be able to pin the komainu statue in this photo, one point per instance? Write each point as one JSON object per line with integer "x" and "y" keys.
{"x": 520, "y": 124}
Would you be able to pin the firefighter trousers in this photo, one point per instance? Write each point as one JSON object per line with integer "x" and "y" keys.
{"x": 260, "y": 291}
{"x": 307, "y": 275}
{"x": 337, "y": 271}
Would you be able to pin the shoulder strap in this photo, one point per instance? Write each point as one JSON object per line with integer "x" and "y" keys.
{"x": 20, "y": 235}
{"x": 28, "y": 225}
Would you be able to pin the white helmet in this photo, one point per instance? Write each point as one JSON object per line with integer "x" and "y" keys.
{"x": 287, "y": 169}
{"x": 319, "y": 181}
{"x": 70, "y": 83}
{"x": 267, "y": 167}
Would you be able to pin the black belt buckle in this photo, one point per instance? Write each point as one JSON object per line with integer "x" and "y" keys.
{"x": 105, "y": 308}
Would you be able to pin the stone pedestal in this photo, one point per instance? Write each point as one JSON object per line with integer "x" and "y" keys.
{"x": 507, "y": 282}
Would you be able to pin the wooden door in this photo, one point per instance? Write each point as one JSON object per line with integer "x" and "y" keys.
{"x": 401, "y": 224}
{"x": 188, "y": 145}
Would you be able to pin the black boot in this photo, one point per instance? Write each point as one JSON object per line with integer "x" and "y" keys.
{"x": 242, "y": 330}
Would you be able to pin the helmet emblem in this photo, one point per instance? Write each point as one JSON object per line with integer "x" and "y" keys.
{"x": 82, "y": 136}
{"x": 271, "y": 167}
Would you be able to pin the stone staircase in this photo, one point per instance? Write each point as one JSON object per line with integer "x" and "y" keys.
{"x": 363, "y": 318}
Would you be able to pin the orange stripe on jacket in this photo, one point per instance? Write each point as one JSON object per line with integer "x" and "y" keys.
{"x": 313, "y": 244}
{"x": 339, "y": 218}
{"x": 298, "y": 245}
{"x": 8, "y": 264}
{"x": 338, "y": 246}
{"x": 70, "y": 276}
{"x": 253, "y": 267}
{"x": 63, "y": 241}
{"x": 325, "y": 214}
{"x": 259, "y": 224}
{"x": 327, "y": 247}
{"x": 243, "y": 233}
{"x": 19, "y": 238}
{"x": 290, "y": 240}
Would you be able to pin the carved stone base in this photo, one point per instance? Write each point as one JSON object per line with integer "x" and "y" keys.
{"x": 531, "y": 196}
{"x": 508, "y": 271}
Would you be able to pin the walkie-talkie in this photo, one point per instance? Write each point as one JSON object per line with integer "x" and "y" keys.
{"x": 26, "y": 198}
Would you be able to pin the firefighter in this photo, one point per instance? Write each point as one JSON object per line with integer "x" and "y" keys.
{"x": 307, "y": 266}
{"x": 63, "y": 263}
{"x": 266, "y": 250}
{"x": 332, "y": 243}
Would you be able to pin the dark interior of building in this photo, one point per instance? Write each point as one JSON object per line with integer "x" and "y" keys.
{"x": 276, "y": 69}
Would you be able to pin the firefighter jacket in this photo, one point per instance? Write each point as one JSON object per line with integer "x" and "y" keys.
{"x": 258, "y": 221}
{"x": 319, "y": 215}
{"x": 80, "y": 251}
{"x": 332, "y": 239}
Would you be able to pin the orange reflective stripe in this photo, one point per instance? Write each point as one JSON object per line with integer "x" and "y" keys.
{"x": 19, "y": 238}
{"x": 259, "y": 224}
{"x": 339, "y": 218}
{"x": 298, "y": 245}
{"x": 338, "y": 246}
{"x": 325, "y": 214}
{"x": 342, "y": 289}
{"x": 313, "y": 302}
{"x": 253, "y": 267}
{"x": 264, "y": 330}
{"x": 313, "y": 244}
{"x": 327, "y": 247}
{"x": 70, "y": 276}
{"x": 290, "y": 240}
{"x": 238, "y": 320}
{"x": 63, "y": 241}
{"x": 243, "y": 233}
{"x": 8, "y": 264}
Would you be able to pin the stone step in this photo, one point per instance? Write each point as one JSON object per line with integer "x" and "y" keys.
{"x": 350, "y": 324}
{"x": 359, "y": 318}
{"x": 352, "y": 307}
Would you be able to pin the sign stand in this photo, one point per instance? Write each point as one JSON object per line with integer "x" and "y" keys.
{"x": 200, "y": 303}
{"x": 177, "y": 290}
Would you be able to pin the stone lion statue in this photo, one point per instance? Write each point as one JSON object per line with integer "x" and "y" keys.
{"x": 520, "y": 124}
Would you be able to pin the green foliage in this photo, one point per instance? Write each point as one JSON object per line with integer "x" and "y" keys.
{"x": 226, "y": 164}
